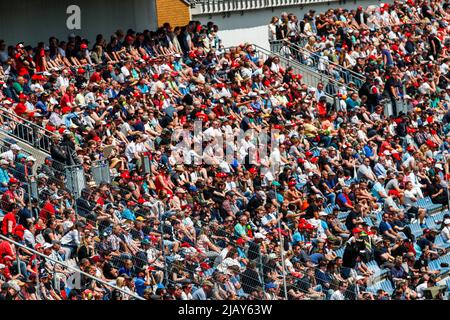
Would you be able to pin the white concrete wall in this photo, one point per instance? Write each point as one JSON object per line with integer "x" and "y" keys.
{"x": 251, "y": 26}
{"x": 36, "y": 20}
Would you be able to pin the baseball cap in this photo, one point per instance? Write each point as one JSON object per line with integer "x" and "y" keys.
{"x": 15, "y": 147}
{"x": 270, "y": 285}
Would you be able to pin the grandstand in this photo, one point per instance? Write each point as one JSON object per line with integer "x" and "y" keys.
{"x": 102, "y": 200}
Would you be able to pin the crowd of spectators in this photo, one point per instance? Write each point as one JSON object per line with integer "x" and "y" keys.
{"x": 337, "y": 206}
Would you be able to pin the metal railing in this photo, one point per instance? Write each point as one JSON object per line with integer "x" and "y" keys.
{"x": 309, "y": 76}
{"x": 220, "y": 6}
{"x": 316, "y": 61}
{"x": 66, "y": 266}
{"x": 25, "y": 130}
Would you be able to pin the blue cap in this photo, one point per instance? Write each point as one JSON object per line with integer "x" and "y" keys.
{"x": 192, "y": 189}
{"x": 234, "y": 163}
{"x": 160, "y": 286}
{"x": 271, "y": 285}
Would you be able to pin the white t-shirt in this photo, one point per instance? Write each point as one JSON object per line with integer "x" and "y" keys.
{"x": 409, "y": 195}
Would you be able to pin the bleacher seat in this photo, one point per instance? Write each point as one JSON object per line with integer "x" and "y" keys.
{"x": 369, "y": 221}
{"x": 343, "y": 215}
{"x": 431, "y": 222}
{"x": 416, "y": 230}
{"x": 378, "y": 272}
{"x": 340, "y": 252}
{"x": 427, "y": 204}
{"x": 385, "y": 285}
{"x": 440, "y": 242}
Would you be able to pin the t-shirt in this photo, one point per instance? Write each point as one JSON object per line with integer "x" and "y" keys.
{"x": 47, "y": 211}
{"x": 5, "y": 250}
{"x": 9, "y": 217}
{"x": 384, "y": 226}
{"x": 408, "y": 201}
{"x": 139, "y": 283}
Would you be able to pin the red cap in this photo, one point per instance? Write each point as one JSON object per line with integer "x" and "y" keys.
{"x": 309, "y": 154}
{"x": 221, "y": 175}
{"x": 253, "y": 170}
{"x": 357, "y": 230}
{"x": 240, "y": 241}
{"x": 205, "y": 266}
{"x": 185, "y": 245}
{"x": 13, "y": 180}
{"x": 315, "y": 160}
{"x": 125, "y": 175}
{"x": 292, "y": 183}
{"x": 84, "y": 46}
{"x": 23, "y": 96}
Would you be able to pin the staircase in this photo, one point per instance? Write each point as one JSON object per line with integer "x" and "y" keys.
{"x": 310, "y": 76}
{"x": 316, "y": 61}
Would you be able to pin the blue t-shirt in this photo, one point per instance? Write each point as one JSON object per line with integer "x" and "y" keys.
{"x": 128, "y": 214}
{"x": 297, "y": 237}
{"x": 139, "y": 283}
{"x": 368, "y": 151}
{"x": 384, "y": 226}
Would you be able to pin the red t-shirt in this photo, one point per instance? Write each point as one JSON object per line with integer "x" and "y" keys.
{"x": 48, "y": 211}
{"x": 322, "y": 109}
{"x": 65, "y": 101}
{"x": 7, "y": 198}
{"x": 6, "y": 219}
{"x": 22, "y": 70}
{"x": 6, "y": 250}
{"x": 20, "y": 109}
{"x": 96, "y": 77}
{"x": 40, "y": 60}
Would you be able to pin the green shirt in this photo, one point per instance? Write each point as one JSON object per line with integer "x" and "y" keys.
{"x": 17, "y": 88}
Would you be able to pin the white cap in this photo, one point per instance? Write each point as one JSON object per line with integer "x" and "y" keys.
{"x": 447, "y": 221}
{"x": 30, "y": 158}
{"x": 15, "y": 147}
{"x": 47, "y": 245}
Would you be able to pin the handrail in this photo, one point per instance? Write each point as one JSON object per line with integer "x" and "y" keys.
{"x": 300, "y": 65}
{"x": 71, "y": 268}
{"x": 324, "y": 77}
{"x": 36, "y": 132}
{"x": 220, "y": 6}
{"x": 355, "y": 74}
